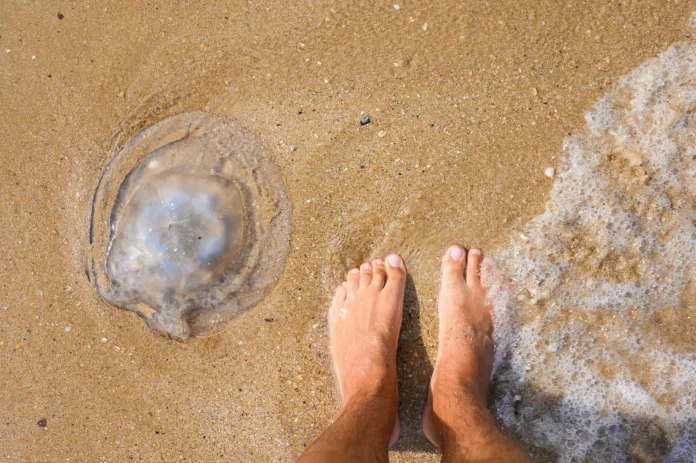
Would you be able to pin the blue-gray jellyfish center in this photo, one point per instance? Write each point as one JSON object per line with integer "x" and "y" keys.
{"x": 178, "y": 233}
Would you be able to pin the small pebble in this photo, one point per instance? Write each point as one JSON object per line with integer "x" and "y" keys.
{"x": 397, "y": 7}
{"x": 104, "y": 340}
{"x": 550, "y": 172}
{"x": 293, "y": 148}
{"x": 382, "y": 133}
{"x": 425, "y": 27}
{"x": 365, "y": 120}
{"x": 553, "y": 347}
{"x": 60, "y": 16}
{"x": 41, "y": 423}
{"x": 67, "y": 328}
{"x": 517, "y": 398}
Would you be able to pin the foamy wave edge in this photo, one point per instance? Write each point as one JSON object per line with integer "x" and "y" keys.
{"x": 610, "y": 231}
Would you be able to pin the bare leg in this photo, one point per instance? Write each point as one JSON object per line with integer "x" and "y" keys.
{"x": 364, "y": 323}
{"x": 455, "y": 417}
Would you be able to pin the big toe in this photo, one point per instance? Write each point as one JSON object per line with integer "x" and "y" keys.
{"x": 396, "y": 276}
{"x": 453, "y": 266}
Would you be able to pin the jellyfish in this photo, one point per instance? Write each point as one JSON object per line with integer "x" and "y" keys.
{"x": 191, "y": 225}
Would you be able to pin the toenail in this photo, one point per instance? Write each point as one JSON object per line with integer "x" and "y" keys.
{"x": 366, "y": 266}
{"x": 355, "y": 271}
{"x": 476, "y": 252}
{"x": 456, "y": 252}
{"x": 394, "y": 260}
{"x": 379, "y": 262}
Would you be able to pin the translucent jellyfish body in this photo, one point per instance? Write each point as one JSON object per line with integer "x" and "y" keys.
{"x": 191, "y": 225}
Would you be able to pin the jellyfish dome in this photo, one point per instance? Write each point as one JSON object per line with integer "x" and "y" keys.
{"x": 191, "y": 225}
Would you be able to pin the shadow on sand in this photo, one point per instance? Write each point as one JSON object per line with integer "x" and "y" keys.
{"x": 414, "y": 369}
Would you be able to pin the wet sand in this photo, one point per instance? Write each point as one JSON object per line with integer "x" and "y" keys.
{"x": 469, "y": 103}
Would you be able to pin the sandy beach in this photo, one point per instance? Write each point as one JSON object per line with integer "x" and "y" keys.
{"x": 469, "y": 103}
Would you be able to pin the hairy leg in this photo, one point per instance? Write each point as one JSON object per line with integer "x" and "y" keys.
{"x": 364, "y": 322}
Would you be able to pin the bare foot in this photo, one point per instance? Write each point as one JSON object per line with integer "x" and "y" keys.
{"x": 364, "y": 323}
{"x": 465, "y": 352}
{"x": 455, "y": 417}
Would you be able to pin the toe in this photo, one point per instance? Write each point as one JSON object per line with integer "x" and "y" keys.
{"x": 379, "y": 273}
{"x": 340, "y": 293}
{"x": 365, "y": 275}
{"x": 487, "y": 268}
{"x": 396, "y": 275}
{"x": 353, "y": 281}
{"x": 453, "y": 265}
{"x": 339, "y": 297}
{"x": 473, "y": 268}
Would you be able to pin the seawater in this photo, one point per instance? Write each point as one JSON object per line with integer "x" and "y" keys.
{"x": 596, "y": 313}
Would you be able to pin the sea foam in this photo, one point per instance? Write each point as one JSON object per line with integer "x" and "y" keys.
{"x": 594, "y": 329}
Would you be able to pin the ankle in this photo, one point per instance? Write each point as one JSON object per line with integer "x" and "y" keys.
{"x": 453, "y": 386}
{"x": 369, "y": 392}
{"x": 374, "y": 381}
